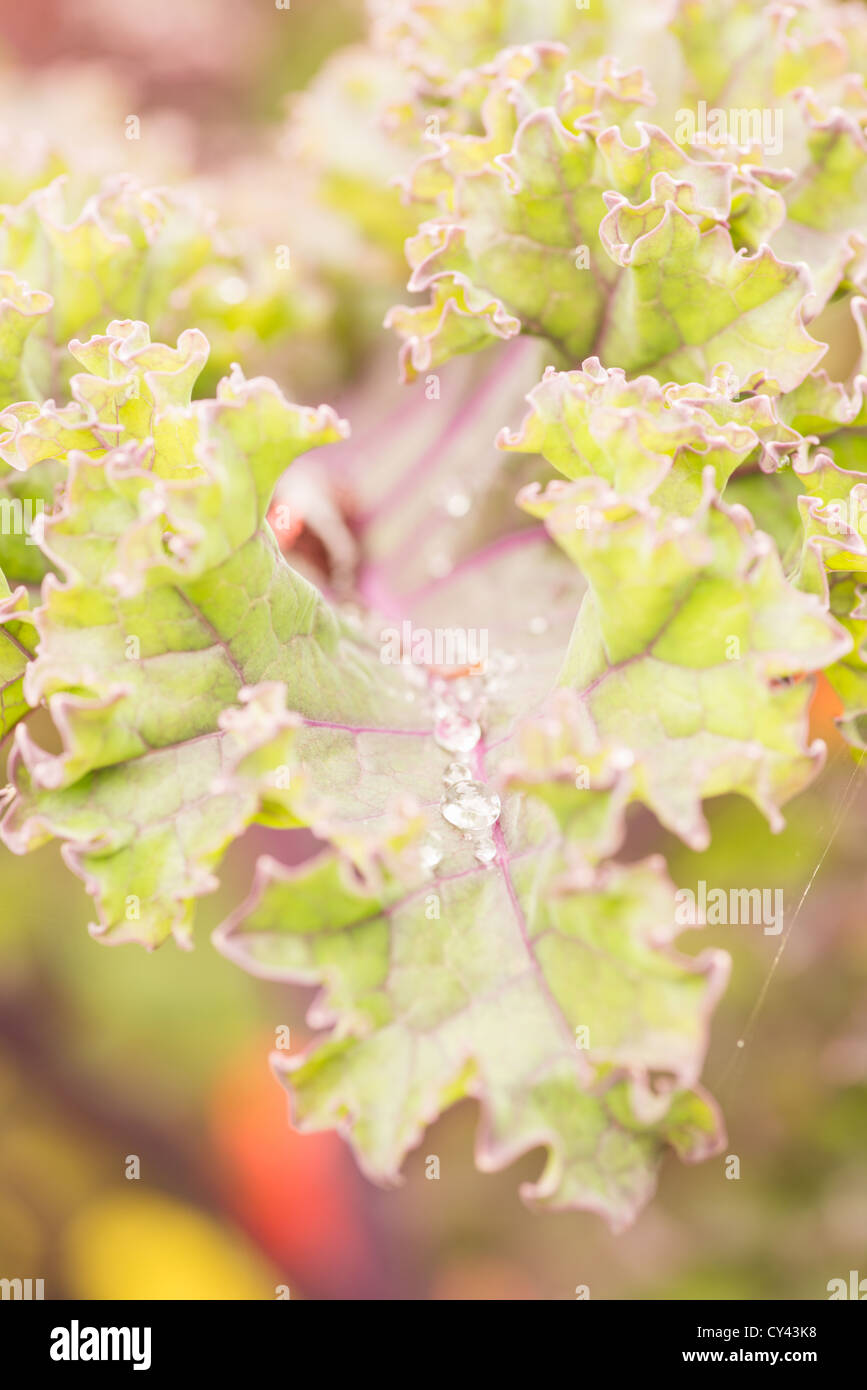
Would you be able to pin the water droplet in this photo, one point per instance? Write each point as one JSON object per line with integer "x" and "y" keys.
{"x": 232, "y": 290}
{"x": 413, "y": 675}
{"x": 486, "y": 850}
{"x": 352, "y": 615}
{"x": 457, "y": 772}
{"x": 463, "y": 690}
{"x": 430, "y": 854}
{"x": 470, "y": 806}
{"x": 538, "y": 626}
{"x": 621, "y": 759}
{"x": 439, "y": 565}
{"x": 456, "y": 733}
{"x": 499, "y": 666}
{"x": 458, "y": 504}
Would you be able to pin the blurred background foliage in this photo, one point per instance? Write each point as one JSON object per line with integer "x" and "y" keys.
{"x": 107, "y": 1055}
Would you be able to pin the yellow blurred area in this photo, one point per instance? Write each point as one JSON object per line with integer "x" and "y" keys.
{"x": 136, "y": 1244}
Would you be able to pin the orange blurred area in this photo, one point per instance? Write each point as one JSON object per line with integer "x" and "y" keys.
{"x": 298, "y": 1195}
{"x": 826, "y": 707}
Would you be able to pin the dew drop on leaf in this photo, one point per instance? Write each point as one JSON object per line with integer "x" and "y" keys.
{"x": 470, "y": 806}
{"x": 485, "y": 850}
{"x": 456, "y": 733}
{"x": 458, "y": 504}
{"x": 430, "y": 854}
{"x": 232, "y": 290}
{"x": 439, "y": 565}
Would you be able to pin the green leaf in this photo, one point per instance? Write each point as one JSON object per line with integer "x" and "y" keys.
{"x": 657, "y": 283}
{"x": 552, "y": 998}
{"x": 16, "y": 641}
{"x": 645, "y": 440}
{"x": 685, "y": 650}
{"x": 121, "y": 254}
{"x": 173, "y": 597}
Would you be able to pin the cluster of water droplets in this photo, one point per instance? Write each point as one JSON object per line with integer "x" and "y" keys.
{"x": 467, "y": 803}
{"x": 457, "y": 708}
{"x": 471, "y": 807}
